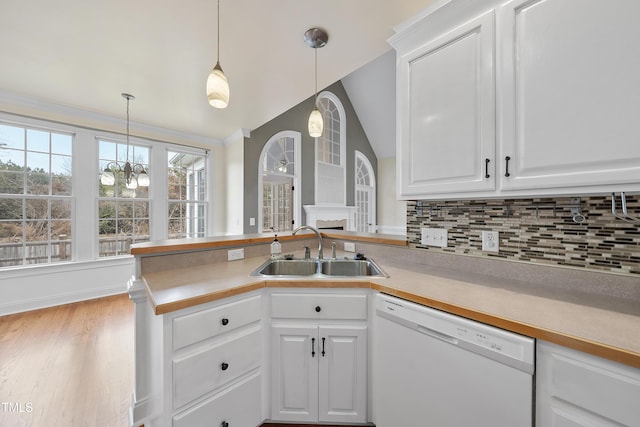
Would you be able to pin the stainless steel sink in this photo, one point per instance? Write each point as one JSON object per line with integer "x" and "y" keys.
{"x": 350, "y": 267}
{"x": 319, "y": 268}
{"x": 288, "y": 267}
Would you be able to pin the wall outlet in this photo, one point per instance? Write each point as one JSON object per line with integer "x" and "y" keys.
{"x": 491, "y": 241}
{"x": 434, "y": 237}
{"x": 252, "y": 222}
{"x": 235, "y": 254}
{"x": 349, "y": 247}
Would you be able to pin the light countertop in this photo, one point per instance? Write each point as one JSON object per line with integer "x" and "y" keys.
{"x": 598, "y": 329}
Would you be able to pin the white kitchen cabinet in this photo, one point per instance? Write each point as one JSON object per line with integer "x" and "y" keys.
{"x": 569, "y": 93}
{"x": 550, "y": 102}
{"x": 446, "y": 111}
{"x": 576, "y": 389}
{"x": 319, "y": 364}
{"x": 203, "y": 364}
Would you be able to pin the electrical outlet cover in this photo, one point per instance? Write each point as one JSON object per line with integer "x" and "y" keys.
{"x": 490, "y": 241}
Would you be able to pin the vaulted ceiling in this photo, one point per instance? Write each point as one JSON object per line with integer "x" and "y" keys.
{"x": 85, "y": 53}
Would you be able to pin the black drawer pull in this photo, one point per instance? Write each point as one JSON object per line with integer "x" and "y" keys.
{"x": 486, "y": 168}
{"x": 313, "y": 347}
{"x": 506, "y": 171}
{"x": 318, "y": 309}
{"x": 322, "y": 346}
{"x": 224, "y": 321}
{"x": 224, "y": 366}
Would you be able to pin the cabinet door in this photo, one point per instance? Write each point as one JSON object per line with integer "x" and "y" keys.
{"x": 569, "y": 93}
{"x": 343, "y": 374}
{"x": 294, "y": 378}
{"x": 576, "y": 389}
{"x": 446, "y": 113}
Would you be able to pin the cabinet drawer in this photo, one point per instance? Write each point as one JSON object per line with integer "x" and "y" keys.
{"x": 204, "y": 324}
{"x": 216, "y": 365}
{"x": 238, "y": 405}
{"x": 319, "y": 306}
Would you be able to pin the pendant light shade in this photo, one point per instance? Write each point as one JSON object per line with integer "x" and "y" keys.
{"x": 218, "y": 88}
{"x": 217, "y": 83}
{"x": 316, "y": 38}
{"x": 315, "y": 123}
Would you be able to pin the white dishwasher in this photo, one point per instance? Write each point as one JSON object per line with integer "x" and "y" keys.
{"x": 434, "y": 369}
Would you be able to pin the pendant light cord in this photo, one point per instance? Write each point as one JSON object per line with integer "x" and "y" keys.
{"x": 316, "y": 78}
{"x": 218, "y": 31}
{"x": 128, "y": 99}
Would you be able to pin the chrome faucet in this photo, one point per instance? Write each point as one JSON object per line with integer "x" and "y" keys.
{"x": 307, "y": 227}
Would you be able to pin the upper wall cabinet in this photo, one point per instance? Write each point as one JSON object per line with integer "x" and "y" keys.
{"x": 550, "y": 105}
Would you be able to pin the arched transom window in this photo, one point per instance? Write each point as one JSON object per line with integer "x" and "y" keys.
{"x": 331, "y": 152}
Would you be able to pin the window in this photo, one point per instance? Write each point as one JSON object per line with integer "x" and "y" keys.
{"x": 35, "y": 196}
{"x": 330, "y": 152}
{"x": 278, "y": 175}
{"x": 186, "y": 194}
{"x": 365, "y": 194}
{"x": 123, "y": 213}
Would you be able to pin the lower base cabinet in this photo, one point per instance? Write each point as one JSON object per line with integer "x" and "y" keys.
{"x": 319, "y": 357}
{"x": 319, "y": 373}
{"x": 575, "y": 389}
{"x": 237, "y": 406}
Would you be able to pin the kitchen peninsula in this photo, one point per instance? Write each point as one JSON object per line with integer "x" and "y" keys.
{"x": 178, "y": 284}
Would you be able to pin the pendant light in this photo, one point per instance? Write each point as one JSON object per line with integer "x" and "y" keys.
{"x": 315, "y": 38}
{"x": 134, "y": 174}
{"x": 217, "y": 84}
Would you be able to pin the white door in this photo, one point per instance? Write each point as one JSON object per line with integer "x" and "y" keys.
{"x": 570, "y": 93}
{"x": 343, "y": 374}
{"x": 294, "y": 373}
{"x": 446, "y": 112}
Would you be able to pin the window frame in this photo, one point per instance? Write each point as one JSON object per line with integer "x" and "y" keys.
{"x": 50, "y": 198}
{"x": 320, "y": 187}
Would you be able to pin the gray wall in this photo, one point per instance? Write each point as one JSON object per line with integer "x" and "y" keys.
{"x": 296, "y": 119}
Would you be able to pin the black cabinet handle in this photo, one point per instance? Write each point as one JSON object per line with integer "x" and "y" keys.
{"x": 322, "y": 346}
{"x": 486, "y": 168}
{"x": 313, "y": 347}
{"x": 506, "y": 170}
{"x": 318, "y": 309}
{"x": 224, "y": 424}
{"x": 224, "y": 321}
{"x": 224, "y": 366}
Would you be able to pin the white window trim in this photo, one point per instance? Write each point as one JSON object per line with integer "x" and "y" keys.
{"x": 297, "y": 170}
{"x": 343, "y": 149}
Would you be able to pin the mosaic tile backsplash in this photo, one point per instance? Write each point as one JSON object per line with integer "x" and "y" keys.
{"x": 577, "y": 232}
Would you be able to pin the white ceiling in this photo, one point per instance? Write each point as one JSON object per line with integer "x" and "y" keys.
{"x": 85, "y": 53}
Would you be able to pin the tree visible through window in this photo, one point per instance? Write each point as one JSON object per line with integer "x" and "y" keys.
{"x": 123, "y": 213}
{"x": 187, "y": 195}
{"x": 35, "y": 196}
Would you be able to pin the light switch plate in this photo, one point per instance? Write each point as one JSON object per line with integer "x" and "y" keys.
{"x": 434, "y": 237}
{"x": 349, "y": 247}
{"x": 235, "y": 254}
{"x": 490, "y": 241}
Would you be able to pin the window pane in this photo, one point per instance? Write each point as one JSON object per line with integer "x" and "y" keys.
{"x": 61, "y": 144}
{"x": 38, "y": 140}
{"x": 11, "y": 182}
{"x": 12, "y": 136}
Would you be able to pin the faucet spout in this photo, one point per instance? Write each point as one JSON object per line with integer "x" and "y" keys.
{"x": 308, "y": 227}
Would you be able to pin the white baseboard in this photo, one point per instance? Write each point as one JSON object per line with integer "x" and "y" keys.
{"x": 60, "y": 299}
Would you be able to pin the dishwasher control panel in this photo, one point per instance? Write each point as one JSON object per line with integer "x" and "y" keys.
{"x": 507, "y": 347}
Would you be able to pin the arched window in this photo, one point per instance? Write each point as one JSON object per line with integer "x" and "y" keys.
{"x": 278, "y": 179}
{"x": 365, "y": 194}
{"x": 330, "y": 182}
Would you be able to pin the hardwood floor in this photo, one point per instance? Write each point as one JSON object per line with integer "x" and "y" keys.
{"x": 70, "y": 365}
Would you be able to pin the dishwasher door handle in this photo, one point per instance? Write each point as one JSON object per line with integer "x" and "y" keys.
{"x": 438, "y": 335}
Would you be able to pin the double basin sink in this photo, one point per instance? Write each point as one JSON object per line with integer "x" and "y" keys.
{"x": 319, "y": 268}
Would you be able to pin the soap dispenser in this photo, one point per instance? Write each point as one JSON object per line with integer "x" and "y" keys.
{"x": 276, "y": 248}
